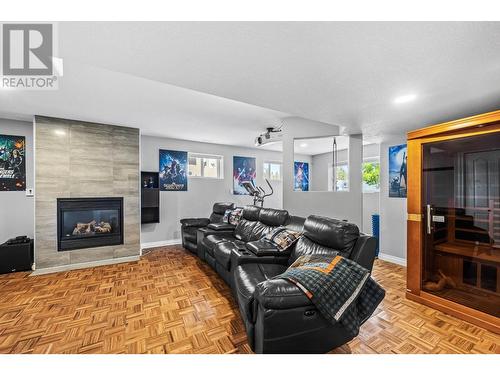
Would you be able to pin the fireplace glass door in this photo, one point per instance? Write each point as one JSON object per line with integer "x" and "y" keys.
{"x": 461, "y": 205}
{"x": 93, "y": 222}
{"x": 89, "y": 222}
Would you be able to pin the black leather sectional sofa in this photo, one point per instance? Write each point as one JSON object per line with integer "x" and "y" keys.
{"x": 189, "y": 227}
{"x": 278, "y": 317}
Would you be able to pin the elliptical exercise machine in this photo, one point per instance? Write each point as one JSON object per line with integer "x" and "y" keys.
{"x": 257, "y": 192}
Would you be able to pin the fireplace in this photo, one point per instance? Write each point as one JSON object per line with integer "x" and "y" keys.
{"x": 89, "y": 222}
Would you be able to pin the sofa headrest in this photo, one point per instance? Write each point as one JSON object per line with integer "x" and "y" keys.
{"x": 251, "y": 213}
{"x": 335, "y": 234}
{"x": 221, "y": 207}
{"x": 296, "y": 223}
{"x": 273, "y": 217}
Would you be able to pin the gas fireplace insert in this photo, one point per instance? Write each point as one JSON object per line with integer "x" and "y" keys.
{"x": 89, "y": 222}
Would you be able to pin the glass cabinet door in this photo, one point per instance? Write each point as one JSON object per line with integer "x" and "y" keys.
{"x": 461, "y": 205}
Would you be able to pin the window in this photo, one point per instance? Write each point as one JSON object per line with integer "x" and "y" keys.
{"x": 341, "y": 177}
{"x": 208, "y": 166}
{"x": 371, "y": 175}
{"x": 272, "y": 171}
{"x": 314, "y": 160}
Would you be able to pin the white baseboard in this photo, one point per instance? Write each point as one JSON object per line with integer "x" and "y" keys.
{"x": 149, "y": 245}
{"x": 392, "y": 259}
{"x": 77, "y": 266}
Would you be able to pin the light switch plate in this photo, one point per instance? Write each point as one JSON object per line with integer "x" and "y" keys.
{"x": 30, "y": 192}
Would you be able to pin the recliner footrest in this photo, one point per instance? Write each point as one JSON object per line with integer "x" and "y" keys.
{"x": 222, "y": 253}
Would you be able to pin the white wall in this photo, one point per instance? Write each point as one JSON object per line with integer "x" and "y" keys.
{"x": 17, "y": 210}
{"x": 371, "y": 150}
{"x": 320, "y": 164}
{"x": 17, "y": 213}
{"x": 371, "y": 201}
{"x": 392, "y": 210}
{"x": 202, "y": 193}
{"x": 306, "y": 159}
{"x": 319, "y": 181}
{"x": 342, "y": 205}
{"x": 371, "y": 206}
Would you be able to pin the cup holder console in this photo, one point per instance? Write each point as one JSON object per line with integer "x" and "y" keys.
{"x": 244, "y": 252}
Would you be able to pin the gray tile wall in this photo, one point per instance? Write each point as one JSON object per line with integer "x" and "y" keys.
{"x": 75, "y": 159}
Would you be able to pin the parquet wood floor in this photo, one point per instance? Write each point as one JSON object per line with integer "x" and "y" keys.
{"x": 171, "y": 302}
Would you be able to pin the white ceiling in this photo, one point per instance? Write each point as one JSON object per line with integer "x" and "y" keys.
{"x": 94, "y": 94}
{"x": 343, "y": 73}
{"x": 312, "y": 146}
{"x": 316, "y": 146}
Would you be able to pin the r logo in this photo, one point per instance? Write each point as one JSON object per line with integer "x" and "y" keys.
{"x": 27, "y": 49}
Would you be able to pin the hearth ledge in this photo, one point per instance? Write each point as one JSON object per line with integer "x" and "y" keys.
{"x": 76, "y": 266}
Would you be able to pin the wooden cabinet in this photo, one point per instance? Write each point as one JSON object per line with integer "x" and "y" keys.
{"x": 453, "y": 243}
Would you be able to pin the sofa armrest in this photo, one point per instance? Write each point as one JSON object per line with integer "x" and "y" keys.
{"x": 266, "y": 248}
{"x": 206, "y": 231}
{"x": 195, "y": 222}
{"x": 364, "y": 250}
{"x": 239, "y": 258}
{"x": 221, "y": 226}
{"x": 280, "y": 294}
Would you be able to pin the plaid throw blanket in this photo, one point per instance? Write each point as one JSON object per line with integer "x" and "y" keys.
{"x": 341, "y": 289}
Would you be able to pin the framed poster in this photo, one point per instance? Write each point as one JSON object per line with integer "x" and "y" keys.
{"x": 12, "y": 163}
{"x": 173, "y": 170}
{"x": 244, "y": 169}
{"x": 300, "y": 176}
{"x": 397, "y": 171}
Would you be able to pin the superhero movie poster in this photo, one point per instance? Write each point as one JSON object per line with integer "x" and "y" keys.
{"x": 243, "y": 170}
{"x": 173, "y": 170}
{"x": 12, "y": 163}
{"x": 397, "y": 171}
{"x": 300, "y": 176}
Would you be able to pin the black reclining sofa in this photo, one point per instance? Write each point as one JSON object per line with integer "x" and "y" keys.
{"x": 189, "y": 227}
{"x": 278, "y": 317}
{"x": 254, "y": 224}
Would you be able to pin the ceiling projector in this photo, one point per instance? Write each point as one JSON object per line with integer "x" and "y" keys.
{"x": 272, "y": 135}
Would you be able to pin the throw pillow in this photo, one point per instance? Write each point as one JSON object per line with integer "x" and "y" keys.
{"x": 235, "y": 216}
{"x": 225, "y": 218}
{"x": 282, "y": 237}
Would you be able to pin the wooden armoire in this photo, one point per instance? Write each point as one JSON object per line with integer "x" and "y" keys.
{"x": 453, "y": 243}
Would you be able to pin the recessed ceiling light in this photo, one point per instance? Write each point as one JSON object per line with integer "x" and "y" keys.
{"x": 59, "y": 132}
{"x": 303, "y": 145}
{"x": 405, "y": 98}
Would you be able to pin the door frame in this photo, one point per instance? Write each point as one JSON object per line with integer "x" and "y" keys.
{"x": 487, "y": 123}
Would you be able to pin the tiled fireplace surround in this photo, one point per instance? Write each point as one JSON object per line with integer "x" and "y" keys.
{"x": 75, "y": 159}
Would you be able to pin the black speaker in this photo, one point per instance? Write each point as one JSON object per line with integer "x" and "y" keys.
{"x": 16, "y": 256}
